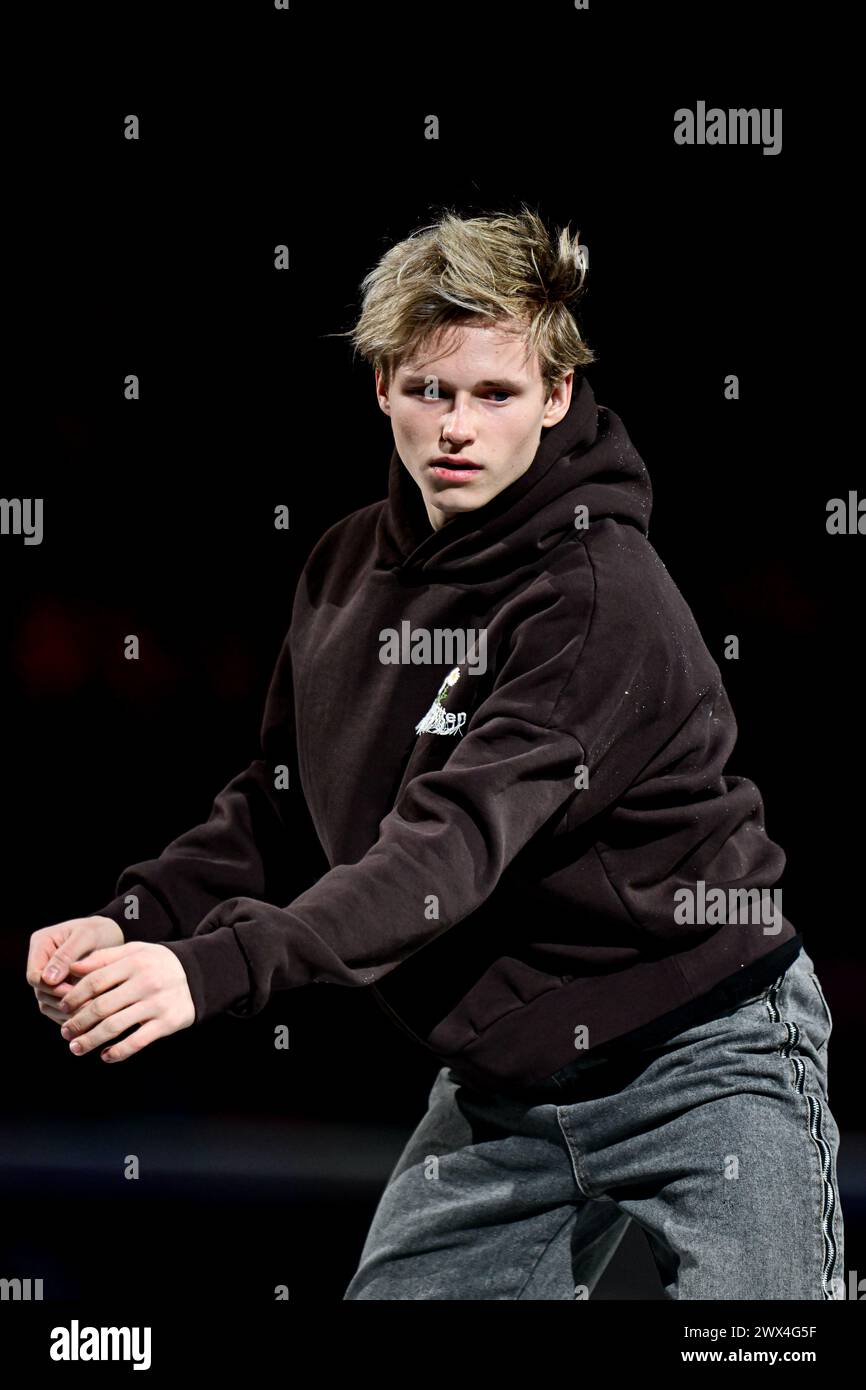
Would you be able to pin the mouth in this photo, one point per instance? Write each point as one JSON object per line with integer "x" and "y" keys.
{"x": 455, "y": 469}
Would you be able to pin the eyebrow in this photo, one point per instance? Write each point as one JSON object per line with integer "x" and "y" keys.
{"x": 502, "y": 382}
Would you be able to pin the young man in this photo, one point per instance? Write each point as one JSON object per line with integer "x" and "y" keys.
{"x": 512, "y": 742}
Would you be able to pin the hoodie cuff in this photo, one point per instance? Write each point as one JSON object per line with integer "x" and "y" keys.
{"x": 216, "y": 971}
{"x": 153, "y": 922}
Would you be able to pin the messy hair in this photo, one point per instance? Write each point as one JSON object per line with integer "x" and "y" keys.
{"x": 501, "y": 267}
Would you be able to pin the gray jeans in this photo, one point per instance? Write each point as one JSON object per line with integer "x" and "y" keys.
{"x": 719, "y": 1142}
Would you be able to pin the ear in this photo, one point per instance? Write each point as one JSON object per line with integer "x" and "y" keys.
{"x": 382, "y": 393}
{"x": 560, "y": 400}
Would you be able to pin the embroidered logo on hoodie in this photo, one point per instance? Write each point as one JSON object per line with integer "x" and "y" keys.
{"x": 437, "y": 720}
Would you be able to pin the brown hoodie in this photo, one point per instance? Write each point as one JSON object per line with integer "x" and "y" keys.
{"x": 535, "y": 849}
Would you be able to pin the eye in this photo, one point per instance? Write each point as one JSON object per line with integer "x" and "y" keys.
{"x": 421, "y": 391}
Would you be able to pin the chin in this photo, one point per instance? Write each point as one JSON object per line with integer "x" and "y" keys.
{"x": 457, "y": 510}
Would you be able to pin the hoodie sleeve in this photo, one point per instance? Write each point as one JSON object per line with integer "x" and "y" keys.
{"x": 244, "y": 846}
{"x": 440, "y": 853}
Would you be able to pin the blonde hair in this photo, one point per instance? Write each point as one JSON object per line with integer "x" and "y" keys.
{"x": 502, "y": 267}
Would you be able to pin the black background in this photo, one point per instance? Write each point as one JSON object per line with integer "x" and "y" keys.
{"x": 156, "y": 258}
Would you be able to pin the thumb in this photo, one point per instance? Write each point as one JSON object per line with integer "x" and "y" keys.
{"x": 76, "y": 937}
{"x": 57, "y": 967}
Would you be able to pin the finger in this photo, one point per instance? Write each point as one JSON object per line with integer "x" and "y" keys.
{"x": 37, "y": 960}
{"x": 53, "y": 1012}
{"x": 55, "y": 993}
{"x": 110, "y": 1029}
{"x": 97, "y": 1010}
{"x": 80, "y": 940}
{"x": 44, "y": 945}
{"x": 142, "y": 1037}
{"x": 51, "y": 1004}
{"x": 57, "y": 969}
{"x": 96, "y": 983}
{"x": 103, "y": 956}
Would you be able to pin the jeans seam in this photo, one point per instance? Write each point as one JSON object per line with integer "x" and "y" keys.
{"x": 815, "y": 1127}
{"x": 824, "y": 1005}
{"x": 574, "y": 1156}
{"x": 543, "y": 1252}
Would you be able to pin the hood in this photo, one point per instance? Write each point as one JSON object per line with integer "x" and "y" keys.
{"x": 587, "y": 458}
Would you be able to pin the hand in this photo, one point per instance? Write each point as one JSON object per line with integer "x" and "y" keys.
{"x": 59, "y": 946}
{"x": 140, "y": 983}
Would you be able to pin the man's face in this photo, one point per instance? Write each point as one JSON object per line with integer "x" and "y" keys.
{"x": 485, "y": 407}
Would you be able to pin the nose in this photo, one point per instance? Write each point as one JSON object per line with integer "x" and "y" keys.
{"x": 457, "y": 427}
